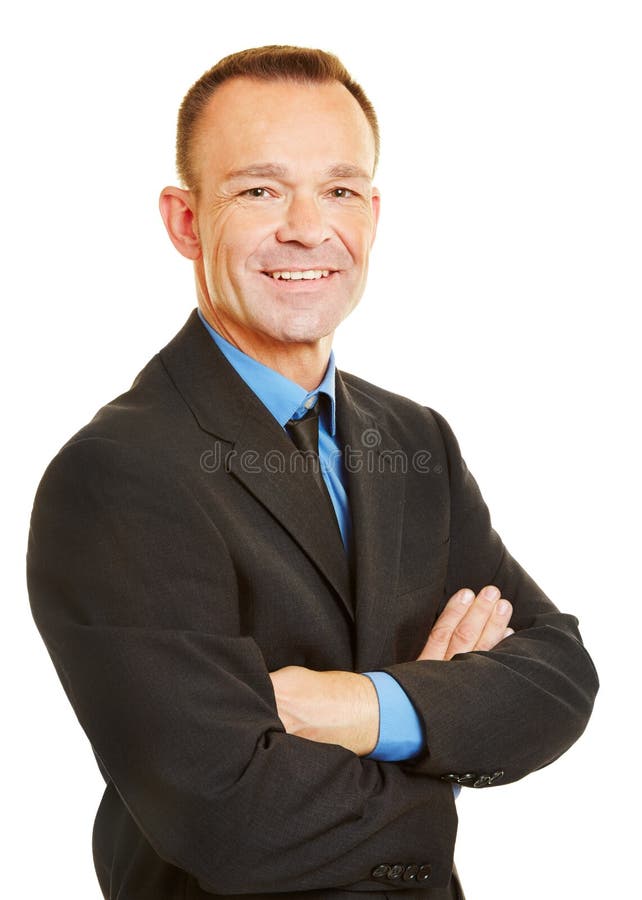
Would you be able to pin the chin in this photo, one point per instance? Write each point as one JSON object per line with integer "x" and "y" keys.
{"x": 301, "y": 336}
{"x": 303, "y": 329}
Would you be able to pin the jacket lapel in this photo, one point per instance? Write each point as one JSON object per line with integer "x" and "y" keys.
{"x": 292, "y": 496}
{"x": 261, "y": 456}
{"x": 375, "y": 467}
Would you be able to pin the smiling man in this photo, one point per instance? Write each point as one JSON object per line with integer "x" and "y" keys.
{"x": 271, "y": 590}
{"x": 280, "y": 217}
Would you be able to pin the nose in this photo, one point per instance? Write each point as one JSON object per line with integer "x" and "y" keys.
{"x": 303, "y": 222}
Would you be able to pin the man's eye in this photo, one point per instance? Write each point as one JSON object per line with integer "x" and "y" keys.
{"x": 258, "y": 192}
{"x": 342, "y": 193}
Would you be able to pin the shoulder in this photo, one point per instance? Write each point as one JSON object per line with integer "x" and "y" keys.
{"x": 143, "y": 413}
{"x": 126, "y": 444}
{"x": 148, "y": 416}
{"x": 153, "y": 411}
{"x": 400, "y": 415}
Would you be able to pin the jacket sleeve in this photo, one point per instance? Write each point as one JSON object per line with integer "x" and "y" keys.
{"x": 492, "y": 717}
{"x": 137, "y": 600}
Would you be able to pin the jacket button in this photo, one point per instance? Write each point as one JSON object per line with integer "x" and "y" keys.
{"x": 411, "y": 873}
{"x": 424, "y": 873}
{"x": 466, "y": 779}
{"x": 488, "y": 780}
{"x": 380, "y": 871}
{"x": 396, "y": 872}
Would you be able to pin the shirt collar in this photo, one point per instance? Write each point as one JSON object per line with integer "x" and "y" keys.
{"x": 279, "y": 394}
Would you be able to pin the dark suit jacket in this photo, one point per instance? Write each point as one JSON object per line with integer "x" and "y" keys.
{"x": 172, "y": 566}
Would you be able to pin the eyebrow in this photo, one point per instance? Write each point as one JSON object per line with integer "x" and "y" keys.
{"x": 346, "y": 170}
{"x": 272, "y": 170}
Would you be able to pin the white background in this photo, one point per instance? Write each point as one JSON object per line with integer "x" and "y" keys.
{"x": 509, "y": 245}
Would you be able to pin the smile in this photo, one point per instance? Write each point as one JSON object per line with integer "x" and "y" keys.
{"x": 307, "y": 275}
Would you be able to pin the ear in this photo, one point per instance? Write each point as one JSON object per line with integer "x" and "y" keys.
{"x": 376, "y": 206}
{"x": 177, "y": 210}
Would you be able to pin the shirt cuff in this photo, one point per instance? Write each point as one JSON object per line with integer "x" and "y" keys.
{"x": 401, "y": 734}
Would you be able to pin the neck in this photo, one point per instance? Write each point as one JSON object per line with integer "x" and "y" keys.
{"x": 305, "y": 363}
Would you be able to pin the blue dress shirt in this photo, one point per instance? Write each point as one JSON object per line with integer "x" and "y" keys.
{"x": 400, "y": 730}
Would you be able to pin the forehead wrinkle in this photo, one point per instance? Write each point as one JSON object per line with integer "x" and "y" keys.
{"x": 274, "y": 170}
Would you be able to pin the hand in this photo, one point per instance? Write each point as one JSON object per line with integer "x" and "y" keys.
{"x": 469, "y": 623}
{"x": 342, "y": 708}
{"x": 332, "y": 707}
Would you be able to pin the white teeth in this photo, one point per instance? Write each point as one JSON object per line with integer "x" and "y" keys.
{"x": 308, "y": 275}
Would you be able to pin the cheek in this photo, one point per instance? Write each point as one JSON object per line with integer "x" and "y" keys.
{"x": 227, "y": 255}
{"x": 243, "y": 238}
{"x": 355, "y": 230}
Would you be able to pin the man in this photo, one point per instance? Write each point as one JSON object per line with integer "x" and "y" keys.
{"x": 212, "y": 598}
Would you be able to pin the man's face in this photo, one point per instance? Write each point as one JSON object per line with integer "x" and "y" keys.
{"x": 284, "y": 186}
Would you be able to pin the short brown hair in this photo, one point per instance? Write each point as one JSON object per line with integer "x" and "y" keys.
{"x": 271, "y": 63}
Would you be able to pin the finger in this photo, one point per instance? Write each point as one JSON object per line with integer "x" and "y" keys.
{"x": 471, "y": 627}
{"x": 496, "y": 626}
{"x": 441, "y": 632}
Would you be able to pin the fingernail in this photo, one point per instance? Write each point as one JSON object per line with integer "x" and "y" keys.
{"x": 491, "y": 594}
{"x": 508, "y": 632}
{"x": 503, "y": 607}
{"x": 467, "y": 597}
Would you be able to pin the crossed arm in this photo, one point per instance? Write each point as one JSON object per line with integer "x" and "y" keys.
{"x": 136, "y": 594}
{"x": 337, "y": 707}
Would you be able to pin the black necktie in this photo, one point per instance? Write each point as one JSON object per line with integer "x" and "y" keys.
{"x": 304, "y": 433}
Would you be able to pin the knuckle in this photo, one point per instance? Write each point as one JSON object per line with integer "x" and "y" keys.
{"x": 465, "y": 633}
{"x": 440, "y": 635}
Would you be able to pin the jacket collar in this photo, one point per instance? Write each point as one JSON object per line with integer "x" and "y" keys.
{"x": 279, "y": 394}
